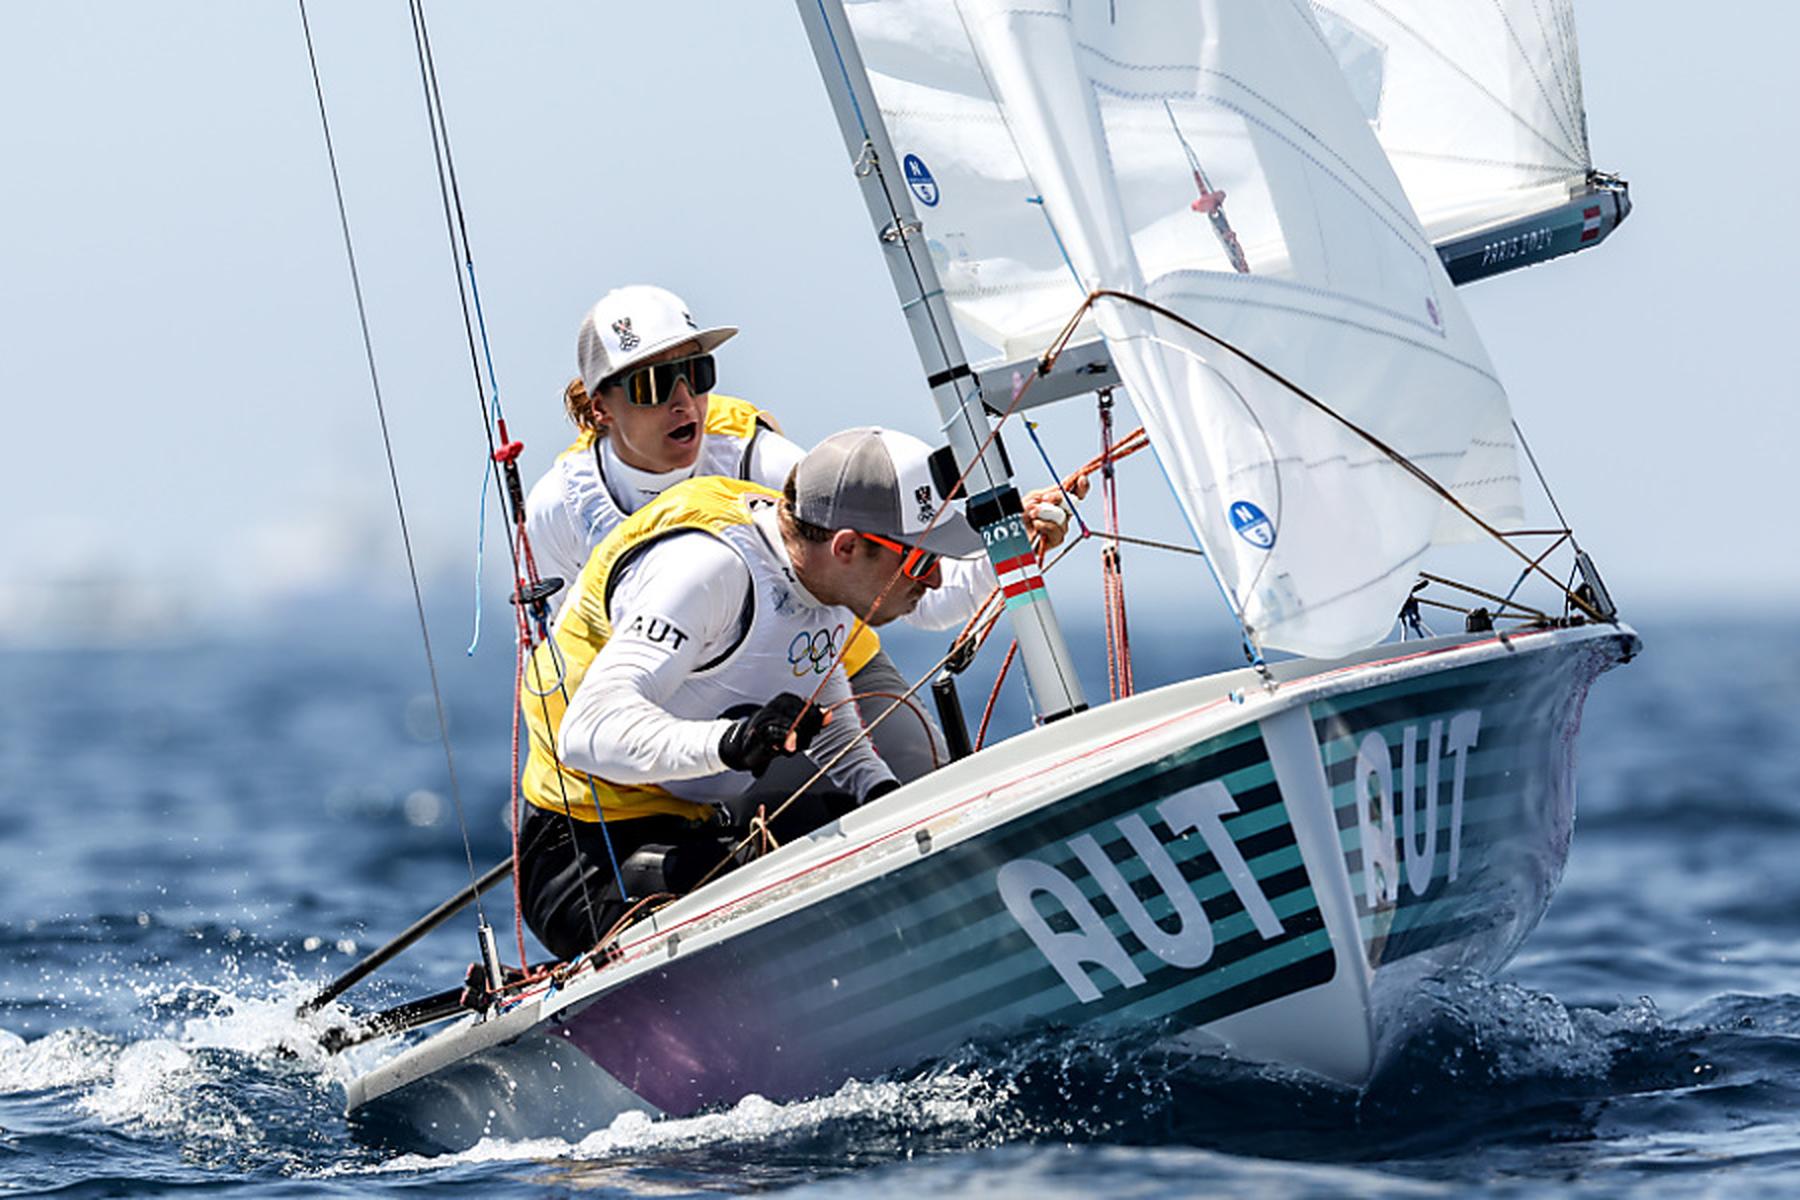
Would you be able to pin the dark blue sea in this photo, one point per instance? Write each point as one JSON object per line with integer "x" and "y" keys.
{"x": 200, "y": 833}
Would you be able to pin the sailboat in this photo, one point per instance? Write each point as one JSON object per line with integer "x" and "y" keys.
{"x": 1251, "y": 217}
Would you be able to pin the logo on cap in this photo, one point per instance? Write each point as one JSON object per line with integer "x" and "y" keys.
{"x": 926, "y": 507}
{"x": 628, "y": 340}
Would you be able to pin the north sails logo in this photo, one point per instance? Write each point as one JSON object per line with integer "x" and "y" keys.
{"x": 628, "y": 341}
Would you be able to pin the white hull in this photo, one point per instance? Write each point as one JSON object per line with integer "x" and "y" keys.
{"x": 1268, "y": 871}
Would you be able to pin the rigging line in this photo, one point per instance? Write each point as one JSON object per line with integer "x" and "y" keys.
{"x": 1475, "y": 591}
{"x": 460, "y": 255}
{"x": 1252, "y": 652}
{"x": 436, "y": 99}
{"x": 868, "y": 731}
{"x": 1176, "y": 547}
{"x": 904, "y": 697}
{"x": 412, "y": 570}
{"x": 440, "y": 149}
{"x": 518, "y": 551}
{"x": 1526, "y": 574}
{"x": 562, "y": 788}
{"x": 1545, "y": 484}
{"x": 1056, "y": 348}
{"x": 1398, "y": 458}
{"x": 917, "y": 711}
{"x": 1055, "y": 477}
{"x": 987, "y": 712}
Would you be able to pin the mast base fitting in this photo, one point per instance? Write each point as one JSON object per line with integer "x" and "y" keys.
{"x": 537, "y": 593}
{"x": 476, "y": 995}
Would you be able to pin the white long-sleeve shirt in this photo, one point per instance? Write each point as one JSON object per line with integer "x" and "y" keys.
{"x": 641, "y": 714}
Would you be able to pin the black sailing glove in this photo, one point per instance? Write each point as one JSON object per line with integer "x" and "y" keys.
{"x": 755, "y": 741}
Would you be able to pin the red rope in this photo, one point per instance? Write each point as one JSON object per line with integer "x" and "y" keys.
{"x": 910, "y": 704}
{"x": 518, "y": 713}
{"x": 987, "y": 714}
{"x": 1112, "y": 575}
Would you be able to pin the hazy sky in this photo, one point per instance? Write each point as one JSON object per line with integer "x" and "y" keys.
{"x": 186, "y": 400}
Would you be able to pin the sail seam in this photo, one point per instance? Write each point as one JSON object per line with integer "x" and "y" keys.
{"x": 1248, "y": 116}
{"x": 1531, "y": 67}
{"x": 1347, "y": 322}
{"x": 1475, "y": 83}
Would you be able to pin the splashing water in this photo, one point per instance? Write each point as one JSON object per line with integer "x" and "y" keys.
{"x": 148, "y": 1043}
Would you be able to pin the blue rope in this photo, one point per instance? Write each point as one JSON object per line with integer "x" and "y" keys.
{"x": 844, "y": 70}
{"x": 496, "y": 414}
{"x": 606, "y": 836}
{"x": 1057, "y": 237}
{"x": 480, "y": 553}
{"x": 1031, "y": 428}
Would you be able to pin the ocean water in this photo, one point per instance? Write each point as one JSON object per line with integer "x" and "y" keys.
{"x": 198, "y": 835}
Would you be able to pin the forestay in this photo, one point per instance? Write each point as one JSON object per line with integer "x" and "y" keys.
{"x": 1210, "y": 158}
{"x": 1478, "y": 104}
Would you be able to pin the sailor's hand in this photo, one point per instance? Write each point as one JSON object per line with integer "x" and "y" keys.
{"x": 1045, "y": 518}
{"x": 785, "y": 725}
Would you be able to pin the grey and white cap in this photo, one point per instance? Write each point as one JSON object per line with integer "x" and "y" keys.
{"x": 879, "y": 481}
{"x": 630, "y": 324}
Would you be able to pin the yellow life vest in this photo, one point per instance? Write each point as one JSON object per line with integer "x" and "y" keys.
{"x": 709, "y": 504}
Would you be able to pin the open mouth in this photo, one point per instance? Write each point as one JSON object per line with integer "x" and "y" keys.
{"x": 685, "y": 434}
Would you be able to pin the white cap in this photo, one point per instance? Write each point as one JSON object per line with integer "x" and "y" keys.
{"x": 631, "y": 324}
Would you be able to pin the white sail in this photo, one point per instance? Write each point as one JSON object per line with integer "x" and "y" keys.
{"x": 1075, "y": 148}
{"x": 1477, "y": 102}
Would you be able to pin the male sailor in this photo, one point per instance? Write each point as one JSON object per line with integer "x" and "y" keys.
{"x": 650, "y": 419}
{"x": 689, "y": 652}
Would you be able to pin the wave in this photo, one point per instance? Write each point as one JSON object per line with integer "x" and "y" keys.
{"x": 1491, "y": 1071}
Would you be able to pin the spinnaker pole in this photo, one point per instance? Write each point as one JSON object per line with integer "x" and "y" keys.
{"x": 993, "y": 506}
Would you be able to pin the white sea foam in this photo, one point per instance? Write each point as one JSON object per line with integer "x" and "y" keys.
{"x": 66, "y": 1058}
{"x": 178, "y": 1080}
{"x": 1523, "y": 1033}
{"x": 942, "y": 1102}
{"x": 147, "y": 1085}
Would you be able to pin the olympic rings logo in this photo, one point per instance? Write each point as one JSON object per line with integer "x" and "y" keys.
{"x": 814, "y": 652}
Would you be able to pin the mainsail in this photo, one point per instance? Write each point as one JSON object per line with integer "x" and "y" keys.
{"x": 1210, "y": 158}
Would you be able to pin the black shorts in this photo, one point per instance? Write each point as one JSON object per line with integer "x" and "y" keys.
{"x": 568, "y": 889}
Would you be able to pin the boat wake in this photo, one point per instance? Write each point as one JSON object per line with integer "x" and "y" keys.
{"x": 1489, "y": 1064}
{"x": 231, "y": 1083}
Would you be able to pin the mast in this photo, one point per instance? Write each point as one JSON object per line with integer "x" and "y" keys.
{"x": 993, "y": 506}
